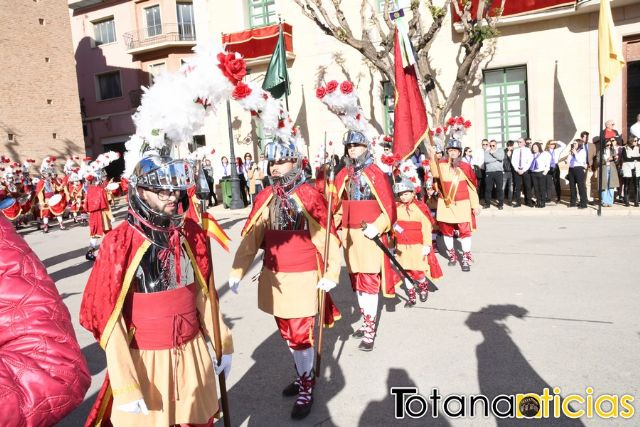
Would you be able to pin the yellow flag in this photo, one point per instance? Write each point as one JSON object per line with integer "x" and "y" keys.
{"x": 610, "y": 59}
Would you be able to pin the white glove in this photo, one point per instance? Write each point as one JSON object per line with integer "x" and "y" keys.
{"x": 234, "y": 283}
{"x": 426, "y": 250}
{"x": 397, "y": 228}
{"x": 225, "y": 365}
{"x": 326, "y": 285}
{"x": 371, "y": 231}
{"x": 135, "y": 407}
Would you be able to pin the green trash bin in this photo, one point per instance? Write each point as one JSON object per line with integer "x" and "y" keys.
{"x": 225, "y": 189}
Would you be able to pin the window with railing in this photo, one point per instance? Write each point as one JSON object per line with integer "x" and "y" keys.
{"x": 186, "y": 21}
{"x": 505, "y": 103}
{"x": 109, "y": 86}
{"x": 153, "y": 20}
{"x": 155, "y": 70}
{"x": 262, "y": 13}
{"x": 104, "y": 31}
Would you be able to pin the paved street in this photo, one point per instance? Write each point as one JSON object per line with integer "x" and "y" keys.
{"x": 551, "y": 302}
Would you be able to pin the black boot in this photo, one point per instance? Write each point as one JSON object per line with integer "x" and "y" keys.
{"x": 292, "y": 389}
{"x": 453, "y": 257}
{"x": 412, "y": 298}
{"x": 424, "y": 291}
{"x": 466, "y": 261}
{"x": 90, "y": 256}
{"x": 303, "y": 404}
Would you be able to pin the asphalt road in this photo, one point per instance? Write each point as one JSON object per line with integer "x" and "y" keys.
{"x": 551, "y": 301}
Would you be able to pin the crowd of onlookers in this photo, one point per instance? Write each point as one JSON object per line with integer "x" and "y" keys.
{"x": 537, "y": 172}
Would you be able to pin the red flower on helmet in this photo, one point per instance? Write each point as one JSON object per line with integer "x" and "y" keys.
{"x": 233, "y": 68}
{"x": 438, "y": 130}
{"x": 241, "y": 91}
{"x": 280, "y": 124}
{"x": 387, "y": 160}
{"x": 467, "y": 124}
{"x": 346, "y": 87}
{"x": 425, "y": 162}
{"x": 451, "y": 121}
{"x": 332, "y": 86}
{"x": 320, "y": 92}
{"x": 358, "y": 116}
{"x": 460, "y": 120}
{"x": 387, "y": 138}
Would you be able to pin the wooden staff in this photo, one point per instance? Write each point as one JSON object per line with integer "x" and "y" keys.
{"x": 322, "y": 295}
{"x": 203, "y": 194}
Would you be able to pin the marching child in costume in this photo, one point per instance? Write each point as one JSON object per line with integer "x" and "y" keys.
{"x": 97, "y": 204}
{"x": 413, "y": 234}
{"x": 288, "y": 221}
{"x": 76, "y": 195}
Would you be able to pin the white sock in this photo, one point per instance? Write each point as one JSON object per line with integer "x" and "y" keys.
{"x": 466, "y": 244}
{"x": 368, "y": 303}
{"x": 93, "y": 242}
{"x": 434, "y": 236}
{"x": 59, "y": 218}
{"x": 303, "y": 360}
{"x": 45, "y": 220}
{"x": 448, "y": 242}
{"x": 408, "y": 284}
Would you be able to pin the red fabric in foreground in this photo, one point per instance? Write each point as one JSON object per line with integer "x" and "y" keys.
{"x": 289, "y": 251}
{"x": 163, "y": 320}
{"x": 297, "y": 331}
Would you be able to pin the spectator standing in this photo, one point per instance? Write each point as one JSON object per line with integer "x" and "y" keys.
{"x": 478, "y": 167}
{"x": 591, "y": 152}
{"x": 631, "y": 170}
{"x": 539, "y": 169}
{"x": 208, "y": 173}
{"x": 225, "y": 170}
{"x": 554, "y": 148}
{"x": 43, "y": 374}
{"x": 634, "y": 130}
{"x": 609, "y": 173}
{"x": 521, "y": 162}
{"x": 507, "y": 178}
{"x": 494, "y": 172}
{"x": 255, "y": 176}
{"x": 577, "y": 169}
{"x": 263, "y": 164}
{"x": 242, "y": 176}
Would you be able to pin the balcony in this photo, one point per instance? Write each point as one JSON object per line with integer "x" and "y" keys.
{"x": 256, "y": 45}
{"x": 160, "y": 37}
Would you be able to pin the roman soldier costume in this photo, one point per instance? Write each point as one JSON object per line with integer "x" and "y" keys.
{"x": 76, "y": 195}
{"x": 413, "y": 235}
{"x": 456, "y": 204}
{"x": 364, "y": 195}
{"x": 100, "y": 217}
{"x": 288, "y": 221}
{"x": 147, "y": 303}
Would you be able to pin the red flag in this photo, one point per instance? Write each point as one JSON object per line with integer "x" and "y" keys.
{"x": 410, "y": 116}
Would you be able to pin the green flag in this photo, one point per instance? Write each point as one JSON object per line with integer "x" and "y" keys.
{"x": 276, "y": 81}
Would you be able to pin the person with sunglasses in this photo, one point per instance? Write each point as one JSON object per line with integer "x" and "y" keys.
{"x": 288, "y": 221}
{"x": 364, "y": 195}
{"x": 609, "y": 173}
{"x": 631, "y": 170}
{"x": 147, "y": 303}
{"x": 494, "y": 173}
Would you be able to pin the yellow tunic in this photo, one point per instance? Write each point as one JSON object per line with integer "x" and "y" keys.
{"x": 410, "y": 256}
{"x": 292, "y": 294}
{"x": 149, "y": 374}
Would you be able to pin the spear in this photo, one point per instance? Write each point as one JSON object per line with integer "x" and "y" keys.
{"x": 325, "y": 256}
{"x": 202, "y": 192}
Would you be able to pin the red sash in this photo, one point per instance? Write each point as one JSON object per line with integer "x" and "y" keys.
{"x": 289, "y": 251}
{"x": 356, "y": 211}
{"x": 163, "y": 320}
{"x": 462, "y": 192}
{"x": 411, "y": 234}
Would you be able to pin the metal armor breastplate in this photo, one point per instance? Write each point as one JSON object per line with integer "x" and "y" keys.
{"x": 286, "y": 215}
{"x": 48, "y": 188}
{"x": 153, "y": 276}
{"x": 359, "y": 188}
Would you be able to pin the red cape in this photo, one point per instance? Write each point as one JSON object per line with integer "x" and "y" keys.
{"x": 384, "y": 195}
{"x": 316, "y": 206}
{"x": 109, "y": 283}
{"x": 96, "y": 199}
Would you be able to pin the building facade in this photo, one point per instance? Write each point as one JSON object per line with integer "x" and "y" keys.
{"x": 540, "y": 78}
{"x": 39, "y": 103}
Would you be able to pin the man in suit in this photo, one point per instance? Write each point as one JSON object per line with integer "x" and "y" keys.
{"x": 521, "y": 162}
{"x": 592, "y": 152}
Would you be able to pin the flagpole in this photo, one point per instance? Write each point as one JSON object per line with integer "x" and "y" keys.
{"x": 286, "y": 91}
{"x": 600, "y": 155}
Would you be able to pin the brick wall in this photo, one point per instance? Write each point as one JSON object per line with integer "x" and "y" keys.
{"x": 38, "y": 98}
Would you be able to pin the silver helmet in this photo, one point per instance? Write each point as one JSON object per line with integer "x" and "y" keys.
{"x": 355, "y": 137}
{"x": 454, "y": 143}
{"x": 155, "y": 173}
{"x": 402, "y": 186}
{"x": 279, "y": 150}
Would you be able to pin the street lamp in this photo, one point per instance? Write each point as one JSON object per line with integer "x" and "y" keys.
{"x": 236, "y": 200}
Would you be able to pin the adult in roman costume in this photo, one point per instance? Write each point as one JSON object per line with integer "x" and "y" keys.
{"x": 458, "y": 204}
{"x": 413, "y": 230}
{"x": 364, "y": 195}
{"x": 288, "y": 221}
{"x": 147, "y": 303}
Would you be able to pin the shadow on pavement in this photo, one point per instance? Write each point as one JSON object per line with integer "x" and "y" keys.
{"x": 79, "y": 415}
{"x": 502, "y": 368}
{"x": 65, "y": 256}
{"x": 96, "y": 359}
{"x": 381, "y": 412}
{"x": 71, "y": 271}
